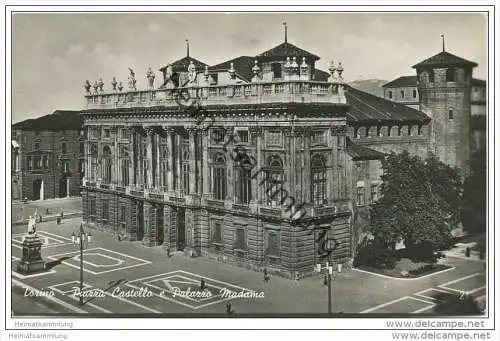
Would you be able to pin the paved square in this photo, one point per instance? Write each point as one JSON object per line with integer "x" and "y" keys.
{"x": 100, "y": 260}
{"x": 183, "y": 287}
{"x": 436, "y": 294}
{"x": 468, "y": 284}
{"x": 48, "y": 239}
{"x": 406, "y": 304}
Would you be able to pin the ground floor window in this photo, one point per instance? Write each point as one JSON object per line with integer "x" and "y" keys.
{"x": 216, "y": 232}
{"x": 105, "y": 211}
{"x": 240, "y": 238}
{"x": 272, "y": 246}
{"x": 123, "y": 217}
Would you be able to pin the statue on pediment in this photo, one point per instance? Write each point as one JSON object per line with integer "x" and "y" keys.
{"x": 151, "y": 78}
{"x": 131, "y": 80}
{"x": 191, "y": 72}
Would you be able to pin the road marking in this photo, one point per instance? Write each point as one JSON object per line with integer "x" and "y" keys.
{"x": 54, "y": 287}
{"x": 459, "y": 280}
{"x": 214, "y": 280}
{"x": 424, "y": 309}
{"x": 119, "y": 261}
{"x": 133, "y": 303}
{"x": 54, "y": 299}
{"x": 404, "y": 278}
{"x": 74, "y": 298}
{"x": 385, "y": 304}
{"x": 57, "y": 235}
{"x": 164, "y": 297}
{"x": 420, "y": 293}
{"x": 144, "y": 262}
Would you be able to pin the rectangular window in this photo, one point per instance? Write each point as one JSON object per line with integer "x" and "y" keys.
{"x": 164, "y": 174}
{"x": 124, "y": 171}
{"x": 450, "y": 75}
{"x": 402, "y": 94}
{"x": 272, "y": 248}
{"x": 318, "y": 137}
{"x": 30, "y": 162}
{"x": 216, "y": 231}
{"x": 414, "y": 93}
{"x": 450, "y": 114}
{"x": 220, "y": 178}
{"x": 106, "y": 133}
{"x": 431, "y": 76}
{"x": 276, "y": 67}
{"x": 105, "y": 211}
{"x": 243, "y": 136}
{"x": 240, "y": 242}
{"x": 38, "y": 162}
{"x": 390, "y": 94}
{"x": 82, "y": 148}
{"x": 360, "y": 196}
{"x": 374, "y": 194}
{"x": 45, "y": 162}
{"x": 125, "y": 133}
{"x": 419, "y": 132}
{"x": 92, "y": 209}
{"x": 243, "y": 188}
{"x": 274, "y": 138}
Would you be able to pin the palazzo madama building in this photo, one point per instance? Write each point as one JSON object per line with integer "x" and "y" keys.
{"x": 265, "y": 161}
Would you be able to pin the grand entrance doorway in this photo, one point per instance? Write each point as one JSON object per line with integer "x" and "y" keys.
{"x": 160, "y": 233}
{"x": 140, "y": 220}
{"x": 38, "y": 189}
{"x": 181, "y": 230}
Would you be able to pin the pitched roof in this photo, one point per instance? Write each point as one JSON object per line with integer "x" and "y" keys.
{"x": 357, "y": 152}
{"x": 402, "y": 81}
{"x": 320, "y": 75}
{"x": 182, "y": 64}
{"x": 478, "y": 82}
{"x": 243, "y": 66}
{"x": 365, "y": 107}
{"x": 58, "y": 120}
{"x": 444, "y": 59}
{"x": 287, "y": 50}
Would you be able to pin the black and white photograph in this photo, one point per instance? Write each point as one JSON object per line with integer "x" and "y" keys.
{"x": 264, "y": 168}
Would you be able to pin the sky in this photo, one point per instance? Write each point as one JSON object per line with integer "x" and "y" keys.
{"x": 54, "y": 53}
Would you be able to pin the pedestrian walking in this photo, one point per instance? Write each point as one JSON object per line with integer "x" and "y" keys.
{"x": 266, "y": 275}
{"x": 229, "y": 309}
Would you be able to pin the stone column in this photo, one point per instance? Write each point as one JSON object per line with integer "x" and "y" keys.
{"x": 192, "y": 160}
{"x": 230, "y": 195}
{"x": 115, "y": 169}
{"x": 170, "y": 179}
{"x": 149, "y": 156}
{"x": 256, "y": 136}
{"x": 199, "y": 159}
{"x": 131, "y": 165}
{"x": 178, "y": 146}
{"x": 157, "y": 168}
{"x": 205, "y": 165}
{"x": 307, "y": 167}
{"x": 138, "y": 169}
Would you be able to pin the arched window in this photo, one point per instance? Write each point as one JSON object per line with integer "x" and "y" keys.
{"x": 63, "y": 148}
{"x": 219, "y": 178}
{"x": 106, "y": 165}
{"x": 243, "y": 181}
{"x": 274, "y": 181}
{"x": 164, "y": 166}
{"x": 318, "y": 180}
{"x": 185, "y": 167}
{"x": 82, "y": 148}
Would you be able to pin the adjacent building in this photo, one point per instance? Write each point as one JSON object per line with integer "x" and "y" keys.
{"x": 48, "y": 156}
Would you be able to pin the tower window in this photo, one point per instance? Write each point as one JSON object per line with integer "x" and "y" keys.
{"x": 431, "y": 76}
{"x": 276, "y": 67}
{"x": 389, "y": 94}
{"x": 414, "y": 93}
{"x": 450, "y": 75}
{"x": 402, "y": 94}
{"x": 450, "y": 114}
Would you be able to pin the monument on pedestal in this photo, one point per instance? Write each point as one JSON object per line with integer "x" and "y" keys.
{"x": 31, "y": 260}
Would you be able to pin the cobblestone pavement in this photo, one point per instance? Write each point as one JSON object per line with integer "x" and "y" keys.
{"x": 114, "y": 270}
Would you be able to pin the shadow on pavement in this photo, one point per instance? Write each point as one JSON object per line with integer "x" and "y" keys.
{"x": 50, "y": 265}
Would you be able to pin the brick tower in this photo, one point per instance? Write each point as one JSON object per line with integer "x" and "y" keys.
{"x": 444, "y": 83}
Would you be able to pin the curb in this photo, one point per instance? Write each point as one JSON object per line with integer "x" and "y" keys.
{"x": 50, "y": 218}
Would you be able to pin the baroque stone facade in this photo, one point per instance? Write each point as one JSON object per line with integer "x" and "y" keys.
{"x": 265, "y": 162}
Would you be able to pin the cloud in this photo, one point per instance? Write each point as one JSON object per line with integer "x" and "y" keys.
{"x": 74, "y": 49}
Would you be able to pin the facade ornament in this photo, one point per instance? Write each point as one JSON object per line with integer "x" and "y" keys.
{"x": 191, "y": 72}
{"x": 87, "y": 86}
{"x": 304, "y": 70}
{"x": 149, "y": 130}
{"x": 151, "y": 77}
{"x": 340, "y": 69}
{"x": 113, "y": 83}
{"x": 332, "y": 70}
{"x": 131, "y": 80}
{"x": 256, "y": 71}
{"x": 120, "y": 86}
{"x": 295, "y": 68}
{"x": 288, "y": 68}
{"x": 95, "y": 86}
{"x": 232, "y": 71}
{"x": 101, "y": 85}
{"x": 338, "y": 130}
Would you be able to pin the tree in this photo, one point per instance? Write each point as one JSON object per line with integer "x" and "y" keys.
{"x": 473, "y": 210}
{"x": 419, "y": 204}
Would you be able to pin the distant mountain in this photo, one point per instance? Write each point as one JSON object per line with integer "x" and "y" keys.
{"x": 372, "y": 86}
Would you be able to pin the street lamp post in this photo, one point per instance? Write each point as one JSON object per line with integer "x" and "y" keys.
{"x": 328, "y": 280}
{"x": 81, "y": 240}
